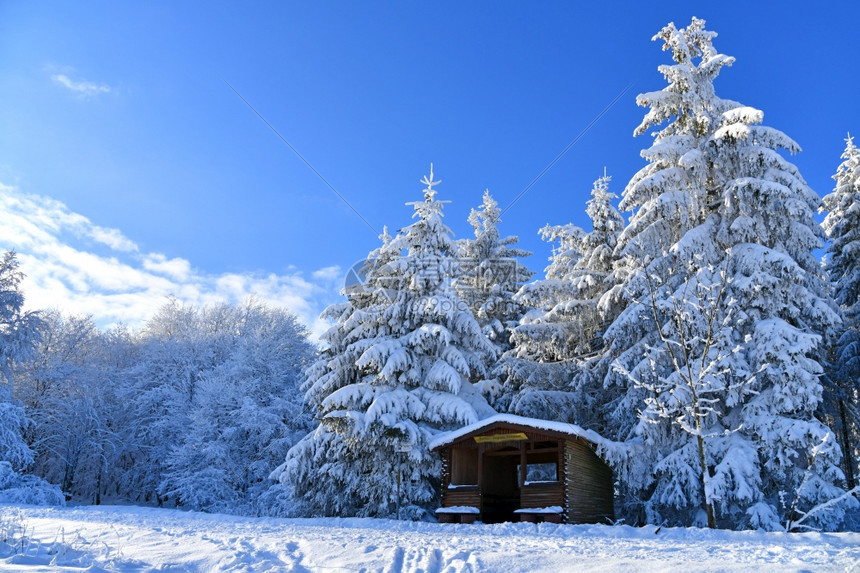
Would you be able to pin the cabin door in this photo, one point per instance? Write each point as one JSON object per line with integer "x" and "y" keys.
{"x": 500, "y": 484}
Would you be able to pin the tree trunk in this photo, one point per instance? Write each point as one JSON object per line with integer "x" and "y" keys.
{"x": 847, "y": 458}
{"x": 703, "y": 458}
{"x": 709, "y": 507}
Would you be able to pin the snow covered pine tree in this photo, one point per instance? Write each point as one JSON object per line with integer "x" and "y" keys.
{"x": 402, "y": 359}
{"x": 719, "y": 346}
{"x": 557, "y": 339}
{"x": 491, "y": 276}
{"x": 842, "y": 225}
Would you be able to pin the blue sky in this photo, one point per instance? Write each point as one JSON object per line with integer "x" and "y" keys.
{"x": 131, "y": 171}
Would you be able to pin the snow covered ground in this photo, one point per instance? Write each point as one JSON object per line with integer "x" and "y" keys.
{"x": 116, "y": 538}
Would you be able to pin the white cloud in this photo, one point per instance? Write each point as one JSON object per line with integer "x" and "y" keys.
{"x": 328, "y": 273}
{"x": 127, "y": 286}
{"x": 111, "y": 237}
{"x": 80, "y": 87}
{"x": 177, "y": 269}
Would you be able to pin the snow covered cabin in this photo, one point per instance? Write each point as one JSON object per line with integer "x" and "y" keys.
{"x": 511, "y": 468}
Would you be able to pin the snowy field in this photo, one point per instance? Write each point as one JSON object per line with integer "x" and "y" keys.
{"x": 117, "y": 538}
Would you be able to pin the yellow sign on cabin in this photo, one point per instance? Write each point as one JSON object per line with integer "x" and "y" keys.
{"x": 493, "y": 438}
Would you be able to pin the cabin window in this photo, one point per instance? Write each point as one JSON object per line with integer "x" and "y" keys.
{"x": 541, "y": 472}
{"x": 541, "y": 463}
{"x": 464, "y": 466}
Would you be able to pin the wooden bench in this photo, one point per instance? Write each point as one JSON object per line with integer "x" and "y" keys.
{"x": 550, "y": 514}
{"x": 458, "y": 514}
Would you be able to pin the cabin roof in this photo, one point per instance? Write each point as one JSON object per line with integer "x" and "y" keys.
{"x": 519, "y": 422}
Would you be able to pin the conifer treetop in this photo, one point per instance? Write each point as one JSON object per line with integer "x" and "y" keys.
{"x": 485, "y": 220}
{"x": 689, "y": 97}
{"x": 429, "y": 192}
{"x": 841, "y": 224}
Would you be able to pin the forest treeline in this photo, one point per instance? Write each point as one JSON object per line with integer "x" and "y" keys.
{"x": 194, "y": 409}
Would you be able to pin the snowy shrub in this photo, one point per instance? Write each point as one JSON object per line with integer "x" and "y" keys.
{"x": 276, "y": 501}
{"x": 27, "y": 489}
{"x": 763, "y": 516}
{"x": 205, "y": 489}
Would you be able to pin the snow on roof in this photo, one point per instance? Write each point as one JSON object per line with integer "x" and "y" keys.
{"x": 534, "y": 423}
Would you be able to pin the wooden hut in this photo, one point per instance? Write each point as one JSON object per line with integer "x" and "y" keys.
{"x": 510, "y": 468}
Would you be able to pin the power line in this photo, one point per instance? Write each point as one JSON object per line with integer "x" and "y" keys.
{"x": 569, "y": 145}
{"x": 306, "y": 162}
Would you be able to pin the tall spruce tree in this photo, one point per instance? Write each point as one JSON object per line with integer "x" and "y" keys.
{"x": 666, "y": 198}
{"x": 780, "y": 315}
{"x": 718, "y": 347}
{"x": 555, "y": 341}
{"x": 492, "y": 274}
{"x": 602, "y": 298}
{"x": 401, "y": 370}
{"x": 842, "y": 225}
{"x": 324, "y": 455}
{"x": 592, "y": 278}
